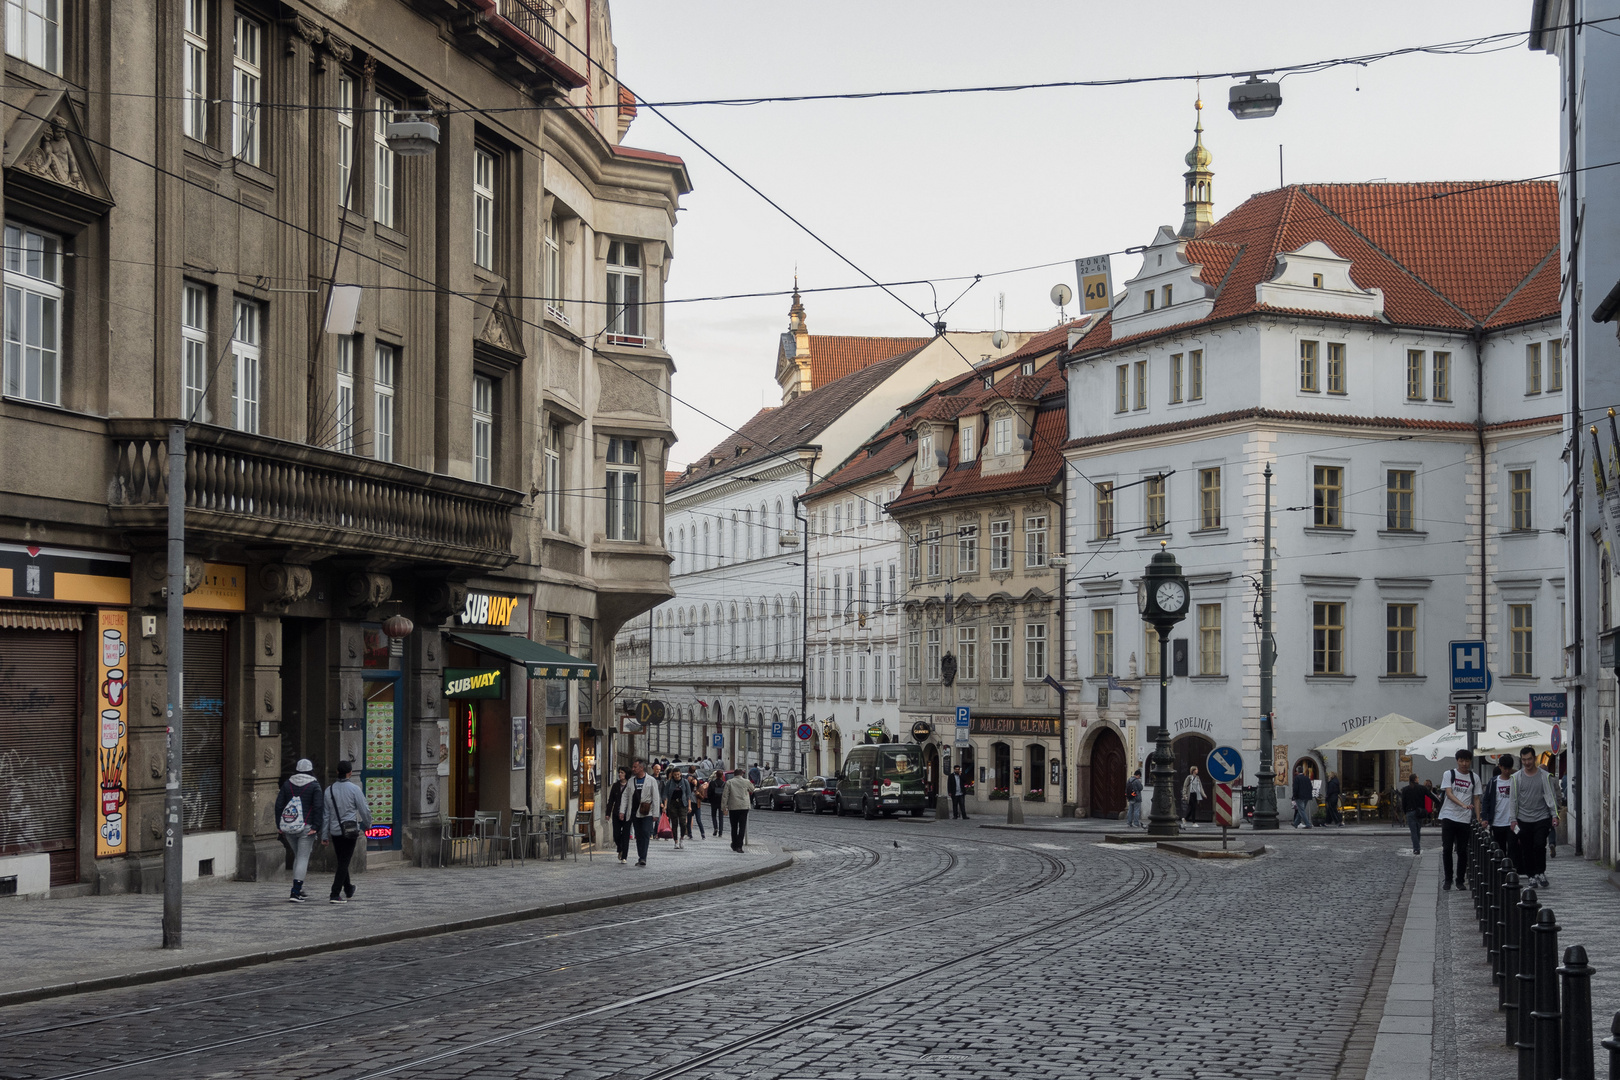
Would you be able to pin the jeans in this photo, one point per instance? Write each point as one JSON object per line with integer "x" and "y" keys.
{"x": 1414, "y": 821}
{"x": 305, "y": 844}
{"x": 1454, "y": 834}
{"x": 739, "y": 828}
{"x": 343, "y": 848}
{"x": 1192, "y": 808}
{"x": 697, "y": 816}
{"x": 644, "y": 827}
{"x": 1533, "y": 846}
{"x": 1302, "y": 812}
{"x": 1506, "y": 841}
{"x": 714, "y": 808}
{"x": 621, "y": 837}
{"x": 1133, "y": 812}
{"x": 959, "y": 806}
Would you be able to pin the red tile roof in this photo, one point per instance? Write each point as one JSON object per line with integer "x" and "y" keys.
{"x": 670, "y": 476}
{"x": 1448, "y": 255}
{"x": 832, "y": 356}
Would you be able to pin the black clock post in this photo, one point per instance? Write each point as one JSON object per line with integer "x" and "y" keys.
{"x": 1162, "y": 599}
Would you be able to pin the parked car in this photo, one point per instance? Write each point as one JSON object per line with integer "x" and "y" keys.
{"x": 819, "y": 795}
{"x": 776, "y": 791}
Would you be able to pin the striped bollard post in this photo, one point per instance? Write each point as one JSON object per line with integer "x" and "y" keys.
{"x": 1525, "y": 1029}
{"x": 1547, "y": 1014}
{"x": 1576, "y": 1049}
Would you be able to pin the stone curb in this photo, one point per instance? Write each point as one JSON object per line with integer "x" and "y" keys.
{"x": 780, "y": 861}
{"x": 1404, "y": 1047}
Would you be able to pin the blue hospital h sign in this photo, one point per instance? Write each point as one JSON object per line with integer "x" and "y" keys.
{"x": 1468, "y": 667}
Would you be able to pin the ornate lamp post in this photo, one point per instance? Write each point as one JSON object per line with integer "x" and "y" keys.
{"x": 1161, "y": 597}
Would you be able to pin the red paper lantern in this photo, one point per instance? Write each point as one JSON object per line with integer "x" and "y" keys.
{"x": 397, "y": 627}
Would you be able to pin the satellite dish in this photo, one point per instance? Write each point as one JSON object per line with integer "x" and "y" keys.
{"x": 1061, "y": 295}
{"x": 999, "y": 338}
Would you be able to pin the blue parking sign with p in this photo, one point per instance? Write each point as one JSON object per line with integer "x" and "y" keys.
{"x": 1468, "y": 667}
{"x": 962, "y": 716}
{"x": 718, "y": 740}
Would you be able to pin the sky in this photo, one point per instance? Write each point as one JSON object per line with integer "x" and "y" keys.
{"x": 947, "y": 187}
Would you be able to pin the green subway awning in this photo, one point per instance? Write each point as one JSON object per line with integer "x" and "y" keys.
{"x": 543, "y": 661}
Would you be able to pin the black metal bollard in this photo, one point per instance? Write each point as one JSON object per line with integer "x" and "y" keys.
{"x": 1576, "y": 1049}
{"x": 1476, "y": 863}
{"x": 1525, "y": 1025}
{"x": 1499, "y": 906}
{"x": 1612, "y": 1045}
{"x": 1547, "y": 1014}
{"x": 1507, "y": 994}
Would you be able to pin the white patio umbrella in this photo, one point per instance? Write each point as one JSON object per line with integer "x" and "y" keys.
{"x": 1507, "y": 730}
{"x": 1390, "y": 732}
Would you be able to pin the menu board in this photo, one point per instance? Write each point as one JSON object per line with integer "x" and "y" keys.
{"x": 379, "y": 735}
{"x": 380, "y": 797}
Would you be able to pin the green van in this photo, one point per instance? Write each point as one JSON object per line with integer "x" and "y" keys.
{"x": 882, "y": 778}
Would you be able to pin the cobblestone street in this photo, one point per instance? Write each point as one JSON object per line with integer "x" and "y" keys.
{"x": 887, "y": 948}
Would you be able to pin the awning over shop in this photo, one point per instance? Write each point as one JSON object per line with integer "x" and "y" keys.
{"x": 543, "y": 661}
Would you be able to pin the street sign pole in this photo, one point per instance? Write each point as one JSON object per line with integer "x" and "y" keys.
{"x": 173, "y": 800}
{"x": 1265, "y": 795}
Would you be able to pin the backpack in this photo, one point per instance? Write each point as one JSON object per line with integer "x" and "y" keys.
{"x": 293, "y": 821}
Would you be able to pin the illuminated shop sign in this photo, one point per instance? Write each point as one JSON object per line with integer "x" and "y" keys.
{"x": 473, "y": 683}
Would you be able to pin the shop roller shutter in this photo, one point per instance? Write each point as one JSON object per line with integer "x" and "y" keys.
{"x": 39, "y": 773}
{"x": 203, "y": 783}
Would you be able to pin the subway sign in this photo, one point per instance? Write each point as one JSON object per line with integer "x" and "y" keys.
{"x": 473, "y": 683}
{"x": 486, "y": 609}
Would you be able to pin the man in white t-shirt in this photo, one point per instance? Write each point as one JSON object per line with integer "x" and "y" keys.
{"x": 1496, "y": 805}
{"x": 1459, "y": 794}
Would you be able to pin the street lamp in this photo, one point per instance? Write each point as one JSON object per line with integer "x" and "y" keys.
{"x": 1161, "y": 597}
{"x": 413, "y": 134}
{"x": 1255, "y": 99}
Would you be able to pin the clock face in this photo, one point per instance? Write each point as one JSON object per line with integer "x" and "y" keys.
{"x": 1171, "y": 597}
{"x": 1141, "y": 597}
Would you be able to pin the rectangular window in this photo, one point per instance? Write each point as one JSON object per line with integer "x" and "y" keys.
{"x": 343, "y": 418}
{"x": 1001, "y": 653}
{"x": 967, "y": 549}
{"x": 1555, "y": 366}
{"x": 624, "y": 490}
{"x": 1400, "y": 639}
{"x": 345, "y": 146}
{"x": 34, "y": 32}
{"x": 913, "y": 557}
{"x": 554, "y": 478}
{"x": 933, "y": 553}
{"x": 862, "y": 503}
{"x": 385, "y": 359}
{"x": 1034, "y": 542}
{"x": 1175, "y": 378}
{"x": 194, "y": 91}
{"x": 1034, "y": 651}
{"x": 1415, "y": 382}
{"x": 1209, "y": 639}
{"x": 894, "y": 593}
{"x": 837, "y": 682}
{"x": 193, "y": 348}
{"x": 933, "y": 653}
{"x": 893, "y": 690}
{"x": 1195, "y": 375}
{"x": 1147, "y": 300}
{"x": 1327, "y": 639}
{"x": 1122, "y": 388}
{"x": 1442, "y": 376}
{"x": 864, "y": 573}
{"x": 554, "y": 270}
{"x": 1153, "y": 509}
{"x": 245, "y": 351}
{"x": 1004, "y": 435}
{"x": 1150, "y": 648}
{"x": 33, "y": 315}
{"x": 861, "y": 683}
{"x": 1523, "y": 626}
{"x": 1337, "y": 382}
{"x": 968, "y": 450}
{"x": 382, "y": 173}
{"x": 1209, "y": 498}
{"x": 1398, "y": 499}
{"x": 925, "y": 452}
{"x": 1001, "y": 545}
{"x": 483, "y": 424}
{"x": 624, "y": 323}
{"x": 849, "y": 676}
{"x": 967, "y": 653}
{"x": 913, "y": 655}
{"x": 1167, "y": 295}
{"x": 1141, "y": 384}
{"x": 1329, "y": 488}
{"x": 484, "y": 209}
{"x": 1307, "y": 366}
{"x": 821, "y": 677}
{"x": 246, "y": 81}
{"x": 1519, "y": 488}
{"x": 1532, "y": 368}
{"x": 1102, "y": 642}
{"x": 1105, "y": 510}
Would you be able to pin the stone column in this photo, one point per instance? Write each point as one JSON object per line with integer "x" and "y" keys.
{"x": 424, "y": 788}
{"x": 259, "y": 854}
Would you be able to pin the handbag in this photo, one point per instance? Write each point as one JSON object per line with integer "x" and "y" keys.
{"x": 349, "y": 828}
{"x": 665, "y": 831}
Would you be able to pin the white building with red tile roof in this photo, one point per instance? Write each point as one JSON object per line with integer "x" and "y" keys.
{"x": 1392, "y": 352}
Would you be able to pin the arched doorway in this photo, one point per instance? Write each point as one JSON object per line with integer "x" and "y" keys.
{"x": 1108, "y": 775}
{"x": 1001, "y": 768}
{"x": 1312, "y": 769}
{"x": 1190, "y": 750}
{"x": 964, "y": 758}
{"x": 833, "y": 755}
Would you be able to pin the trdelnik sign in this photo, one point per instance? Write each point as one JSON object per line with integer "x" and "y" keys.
{"x": 494, "y": 611}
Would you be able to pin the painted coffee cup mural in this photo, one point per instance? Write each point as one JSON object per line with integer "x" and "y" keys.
{"x": 112, "y": 753}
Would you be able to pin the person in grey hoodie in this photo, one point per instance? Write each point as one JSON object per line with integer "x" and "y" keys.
{"x": 300, "y": 813}
{"x": 345, "y": 803}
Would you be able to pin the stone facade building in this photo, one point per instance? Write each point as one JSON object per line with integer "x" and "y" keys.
{"x": 473, "y": 438}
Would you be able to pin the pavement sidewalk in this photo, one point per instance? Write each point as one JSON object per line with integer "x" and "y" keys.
{"x": 66, "y": 946}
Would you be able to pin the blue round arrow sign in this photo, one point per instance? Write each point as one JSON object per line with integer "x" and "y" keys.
{"x": 1225, "y": 765}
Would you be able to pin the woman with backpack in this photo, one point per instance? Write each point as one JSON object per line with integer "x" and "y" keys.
{"x": 300, "y": 817}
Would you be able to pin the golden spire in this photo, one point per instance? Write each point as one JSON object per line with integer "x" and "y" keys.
{"x": 1200, "y": 188}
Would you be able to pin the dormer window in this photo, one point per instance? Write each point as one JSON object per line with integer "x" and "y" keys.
{"x": 989, "y": 382}
{"x": 1004, "y": 435}
{"x": 969, "y": 449}
{"x": 1147, "y": 300}
{"x": 925, "y": 450}
{"x": 1028, "y": 368}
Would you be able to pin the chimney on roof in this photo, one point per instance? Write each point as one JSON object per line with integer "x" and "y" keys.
{"x": 1200, "y": 201}
{"x": 793, "y": 370}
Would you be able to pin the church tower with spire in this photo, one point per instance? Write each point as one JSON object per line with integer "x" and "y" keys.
{"x": 1200, "y": 201}
{"x": 793, "y": 357}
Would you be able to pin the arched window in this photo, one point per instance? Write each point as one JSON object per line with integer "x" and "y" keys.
{"x": 766, "y": 542}
{"x": 734, "y": 631}
{"x": 778, "y": 517}
{"x": 748, "y": 631}
{"x": 704, "y": 655}
{"x": 706, "y": 563}
{"x": 735, "y": 551}
{"x": 776, "y": 633}
{"x": 671, "y": 543}
{"x": 794, "y": 623}
{"x": 764, "y": 627}
{"x": 680, "y": 553}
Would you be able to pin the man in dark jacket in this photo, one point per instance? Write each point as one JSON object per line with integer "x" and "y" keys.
{"x": 717, "y": 792}
{"x": 1496, "y": 808}
{"x": 1302, "y": 798}
{"x": 300, "y": 817}
{"x": 1414, "y": 798}
{"x": 1330, "y": 801}
{"x": 1133, "y": 801}
{"x": 956, "y": 788}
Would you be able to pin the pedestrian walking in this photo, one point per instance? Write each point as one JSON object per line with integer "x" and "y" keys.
{"x": 738, "y": 798}
{"x": 1431, "y": 801}
{"x": 1330, "y": 801}
{"x": 1459, "y": 788}
{"x": 299, "y": 817}
{"x": 1133, "y": 801}
{"x": 1302, "y": 798}
{"x": 1535, "y": 814}
{"x": 1192, "y": 789}
{"x": 680, "y": 799}
{"x": 621, "y": 823}
{"x": 753, "y": 774}
{"x": 1413, "y": 799}
{"x": 717, "y": 792}
{"x": 1496, "y": 807}
{"x": 641, "y": 804}
{"x": 956, "y": 788}
{"x": 700, "y": 795}
{"x": 347, "y": 816}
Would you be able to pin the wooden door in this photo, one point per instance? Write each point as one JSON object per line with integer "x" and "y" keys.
{"x": 1107, "y": 776}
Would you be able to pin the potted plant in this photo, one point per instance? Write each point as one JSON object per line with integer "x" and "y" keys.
{"x": 1035, "y": 795}
{"x": 998, "y": 793}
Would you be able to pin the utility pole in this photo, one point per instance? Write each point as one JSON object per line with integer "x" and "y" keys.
{"x": 173, "y": 803}
{"x": 1265, "y": 797}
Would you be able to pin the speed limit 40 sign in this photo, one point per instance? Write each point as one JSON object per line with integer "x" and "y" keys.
{"x": 1096, "y": 283}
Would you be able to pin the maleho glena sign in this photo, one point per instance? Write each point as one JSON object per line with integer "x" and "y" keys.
{"x": 474, "y": 683}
